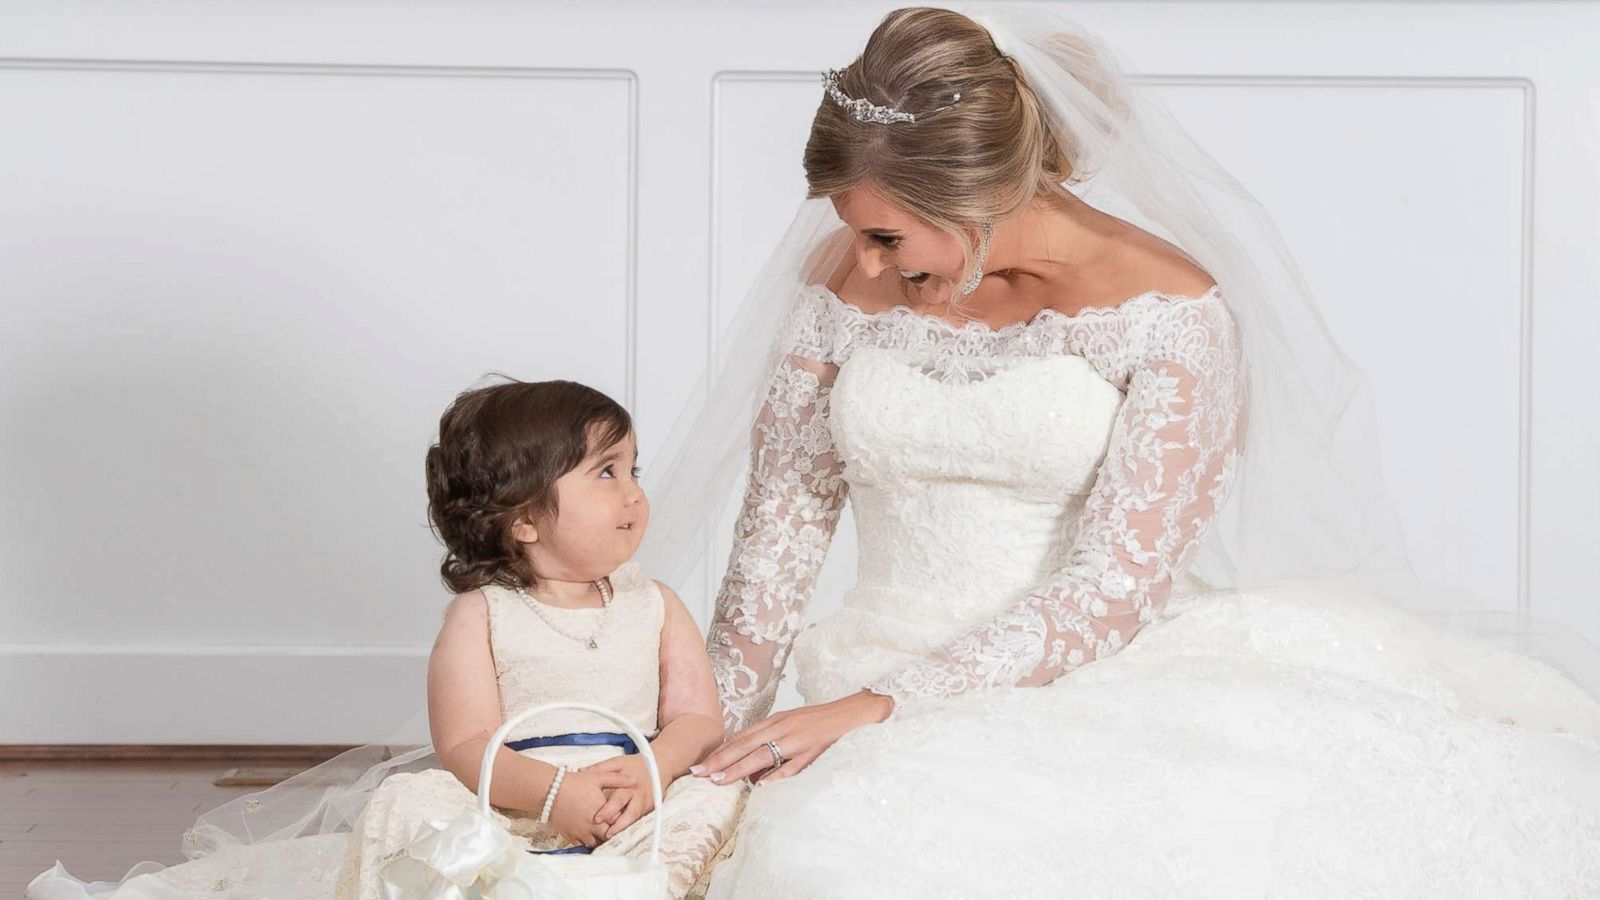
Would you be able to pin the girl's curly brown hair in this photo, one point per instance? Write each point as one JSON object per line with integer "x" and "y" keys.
{"x": 500, "y": 450}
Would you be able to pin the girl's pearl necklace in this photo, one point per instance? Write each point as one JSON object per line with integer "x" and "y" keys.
{"x": 605, "y": 614}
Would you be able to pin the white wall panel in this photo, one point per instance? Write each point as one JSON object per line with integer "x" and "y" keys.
{"x": 237, "y": 299}
{"x": 1405, "y": 201}
{"x": 1404, "y": 204}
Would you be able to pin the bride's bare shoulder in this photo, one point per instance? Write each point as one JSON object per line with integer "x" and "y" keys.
{"x": 1148, "y": 263}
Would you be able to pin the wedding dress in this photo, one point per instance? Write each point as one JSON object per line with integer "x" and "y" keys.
{"x": 1038, "y": 485}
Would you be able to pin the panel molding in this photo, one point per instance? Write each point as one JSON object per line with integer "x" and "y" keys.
{"x": 69, "y": 702}
{"x": 1525, "y": 86}
{"x": 358, "y": 70}
{"x": 210, "y": 694}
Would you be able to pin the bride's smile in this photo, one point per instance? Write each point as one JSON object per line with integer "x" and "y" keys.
{"x": 1046, "y": 241}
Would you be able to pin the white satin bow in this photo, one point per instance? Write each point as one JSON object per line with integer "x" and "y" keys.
{"x": 471, "y": 858}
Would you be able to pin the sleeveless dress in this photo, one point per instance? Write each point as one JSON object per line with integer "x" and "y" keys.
{"x": 535, "y": 665}
{"x": 1074, "y": 715}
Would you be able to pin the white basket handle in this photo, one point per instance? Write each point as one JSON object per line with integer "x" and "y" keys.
{"x": 639, "y": 740}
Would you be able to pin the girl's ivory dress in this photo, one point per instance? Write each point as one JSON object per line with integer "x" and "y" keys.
{"x": 534, "y": 665}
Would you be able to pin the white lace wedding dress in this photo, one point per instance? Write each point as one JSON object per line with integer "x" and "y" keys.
{"x": 1025, "y": 499}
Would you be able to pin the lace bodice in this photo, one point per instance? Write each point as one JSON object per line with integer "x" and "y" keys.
{"x": 534, "y": 664}
{"x": 1025, "y": 496}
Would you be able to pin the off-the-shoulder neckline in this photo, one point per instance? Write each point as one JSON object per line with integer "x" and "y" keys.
{"x": 900, "y": 310}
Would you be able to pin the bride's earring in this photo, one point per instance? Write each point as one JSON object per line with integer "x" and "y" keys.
{"x": 983, "y": 256}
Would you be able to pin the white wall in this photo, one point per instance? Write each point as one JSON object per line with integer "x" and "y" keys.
{"x": 248, "y": 252}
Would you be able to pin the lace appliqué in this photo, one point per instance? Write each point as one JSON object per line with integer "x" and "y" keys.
{"x": 1170, "y": 463}
{"x": 792, "y": 503}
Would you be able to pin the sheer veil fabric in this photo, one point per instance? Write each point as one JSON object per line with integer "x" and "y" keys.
{"x": 1308, "y": 500}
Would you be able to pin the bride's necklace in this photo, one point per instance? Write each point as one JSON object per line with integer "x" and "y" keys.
{"x": 605, "y": 613}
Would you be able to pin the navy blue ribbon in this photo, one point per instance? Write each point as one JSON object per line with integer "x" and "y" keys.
{"x": 579, "y": 738}
{"x": 582, "y": 739}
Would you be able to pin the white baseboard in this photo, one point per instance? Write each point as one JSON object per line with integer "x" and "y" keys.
{"x": 210, "y": 694}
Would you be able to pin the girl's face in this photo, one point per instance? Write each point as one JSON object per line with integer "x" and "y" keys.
{"x": 602, "y": 517}
{"x": 887, "y": 238}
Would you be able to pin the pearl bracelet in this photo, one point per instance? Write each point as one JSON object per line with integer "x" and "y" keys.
{"x": 550, "y": 797}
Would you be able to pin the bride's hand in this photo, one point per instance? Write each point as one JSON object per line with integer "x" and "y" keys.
{"x": 802, "y": 735}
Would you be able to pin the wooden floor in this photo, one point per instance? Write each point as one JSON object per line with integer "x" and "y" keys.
{"x": 100, "y": 818}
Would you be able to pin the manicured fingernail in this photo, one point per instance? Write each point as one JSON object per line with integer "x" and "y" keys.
{"x": 697, "y": 769}
{"x": 717, "y": 777}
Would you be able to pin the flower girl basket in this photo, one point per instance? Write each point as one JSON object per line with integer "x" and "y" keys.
{"x": 475, "y": 858}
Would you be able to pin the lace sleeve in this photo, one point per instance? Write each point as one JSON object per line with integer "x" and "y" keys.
{"x": 1170, "y": 463}
{"x": 792, "y": 501}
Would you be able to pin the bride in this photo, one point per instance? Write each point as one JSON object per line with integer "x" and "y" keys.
{"x": 1133, "y": 616}
{"x": 1127, "y": 620}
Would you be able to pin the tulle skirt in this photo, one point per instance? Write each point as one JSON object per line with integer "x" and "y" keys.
{"x": 1302, "y": 742}
{"x": 696, "y": 818}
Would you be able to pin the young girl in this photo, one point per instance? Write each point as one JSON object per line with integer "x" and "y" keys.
{"x": 533, "y": 488}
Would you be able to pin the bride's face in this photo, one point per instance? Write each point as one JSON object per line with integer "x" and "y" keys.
{"x": 887, "y": 239}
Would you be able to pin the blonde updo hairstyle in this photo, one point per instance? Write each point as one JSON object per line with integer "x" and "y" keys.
{"x": 983, "y": 159}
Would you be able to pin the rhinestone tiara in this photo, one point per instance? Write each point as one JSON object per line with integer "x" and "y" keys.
{"x": 865, "y": 110}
